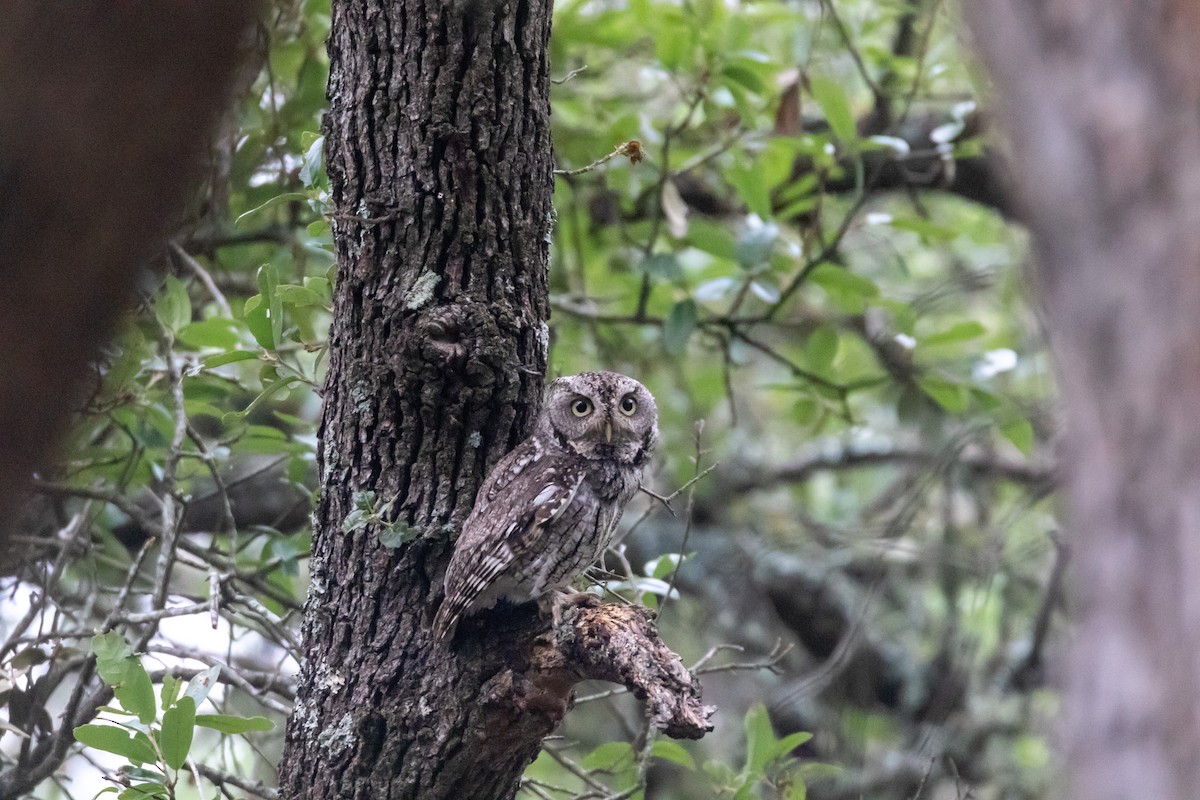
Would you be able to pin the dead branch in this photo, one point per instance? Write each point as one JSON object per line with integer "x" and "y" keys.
{"x": 620, "y": 644}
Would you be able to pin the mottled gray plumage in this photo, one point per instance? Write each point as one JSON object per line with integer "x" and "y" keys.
{"x": 548, "y": 509}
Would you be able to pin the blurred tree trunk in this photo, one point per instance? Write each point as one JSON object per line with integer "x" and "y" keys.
{"x": 1102, "y": 103}
{"x": 438, "y": 150}
{"x": 105, "y": 119}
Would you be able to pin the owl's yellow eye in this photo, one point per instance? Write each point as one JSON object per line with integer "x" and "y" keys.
{"x": 628, "y": 405}
{"x": 581, "y": 407}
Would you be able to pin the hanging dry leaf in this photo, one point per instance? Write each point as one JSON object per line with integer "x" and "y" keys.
{"x": 674, "y": 209}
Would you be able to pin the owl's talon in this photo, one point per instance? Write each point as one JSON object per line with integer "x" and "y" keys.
{"x": 584, "y": 599}
{"x": 566, "y": 600}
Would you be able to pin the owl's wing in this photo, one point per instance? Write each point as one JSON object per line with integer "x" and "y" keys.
{"x": 503, "y": 530}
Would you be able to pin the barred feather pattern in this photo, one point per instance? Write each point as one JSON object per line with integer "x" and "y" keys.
{"x": 548, "y": 510}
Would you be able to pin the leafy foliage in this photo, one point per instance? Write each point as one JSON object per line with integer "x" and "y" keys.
{"x": 156, "y": 748}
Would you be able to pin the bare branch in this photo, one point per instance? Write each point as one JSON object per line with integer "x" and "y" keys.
{"x": 224, "y": 778}
{"x": 1039, "y": 476}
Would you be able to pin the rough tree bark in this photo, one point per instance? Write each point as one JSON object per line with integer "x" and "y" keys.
{"x": 438, "y": 151}
{"x": 1102, "y": 102}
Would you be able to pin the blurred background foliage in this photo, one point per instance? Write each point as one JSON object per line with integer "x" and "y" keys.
{"x": 806, "y": 254}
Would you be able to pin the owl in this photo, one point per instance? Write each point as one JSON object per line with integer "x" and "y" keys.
{"x": 548, "y": 509}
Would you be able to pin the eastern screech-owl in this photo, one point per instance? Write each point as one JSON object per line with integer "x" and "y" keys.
{"x": 548, "y": 509}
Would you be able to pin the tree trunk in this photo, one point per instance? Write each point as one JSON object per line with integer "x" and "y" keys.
{"x": 105, "y": 118}
{"x": 1102, "y": 101}
{"x": 438, "y": 150}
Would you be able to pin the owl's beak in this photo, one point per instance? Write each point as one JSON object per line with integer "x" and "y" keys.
{"x": 608, "y": 431}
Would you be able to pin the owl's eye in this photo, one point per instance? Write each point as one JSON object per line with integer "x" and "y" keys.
{"x": 628, "y": 405}
{"x": 581, "y": 407}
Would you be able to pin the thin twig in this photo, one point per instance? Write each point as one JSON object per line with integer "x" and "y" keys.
{"x": 848, "y": 41}
{"x": 632, "y": 149}
{"x": 253, "y": 787}
{"x": 568, "y": 76}
{"x": 687, "y": 517}
{"x": 160, "y": 614}
{"x": 770, "y": 663}
{"x": 169, "y": 517}
{"x": 201, "y": 273}
{"x": 665, "y": 502}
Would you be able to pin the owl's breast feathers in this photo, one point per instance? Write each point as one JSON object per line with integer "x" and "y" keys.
{"x": 611, "y": 480}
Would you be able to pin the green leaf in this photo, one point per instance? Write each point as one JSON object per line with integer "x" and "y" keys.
{"x": 116, "y": 740}
{"x": 311, "y": 171}
{"x": 847, "y": 290}
{"x": 746, "y": 78}
{"x": 396, "y": 534}
{"x": 27, "y": 658}
{"x": 173, "y": 307}
{"x": 988, "y": 401}
{"x": 746, "y": 790}
{"x": 299, "y": 296}
{"x": 608, "y": 756}
{"x": 229, "y": 358}
{"x": 754, "y": 245}
{"x": 832, "y": 277}
{"x": 213, "y": 332}
{"x": 711, "y": 238}
{"x": 954, "y": 397}
{"x": 962, "y": 332}
{"x": 170, "y": 690}
{"x": 275, "y": 388}
{"x": 268, "y": 287}
{"x": 178, "y": 726}
{"x": 720, "y": 772}
{"x": 664, "y": 266}
{"x": 821, "y": 348}
{"x": 145, "y": 791}
{"x": 152, "y": 773}
{"x": 321, "y": 287}
{"x": 1020, "y": 432}
{"x": 752, "y": 186}
{"x": 805, "y": 410}
{"x": 831, "y": 97}
{"x": 796, "y": 790}
{"x": 664, "y": 565}
{"x": 672, "y": 751}
{"x": 281, "y": 198}
{"x": 355, "y": 520}
{"x": 929, "y": 231}
{"x": 678, "y": 327}
{"x": 258, "y": 320}
{"x": 715, "y": 289}
{"x": 110, "y": 646}
{"x": 790, "y": 742}
{"x": 200, "y": 685}
{"x": 676, "y": 51}
{"x": 115, "y": 671}
{"x": 226, "y": 723}
{"x": 765, "y": 291}
{"x": 136, "y": 692}
{"x": 818, "y": 771}
{"x": 760, "y": 739}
